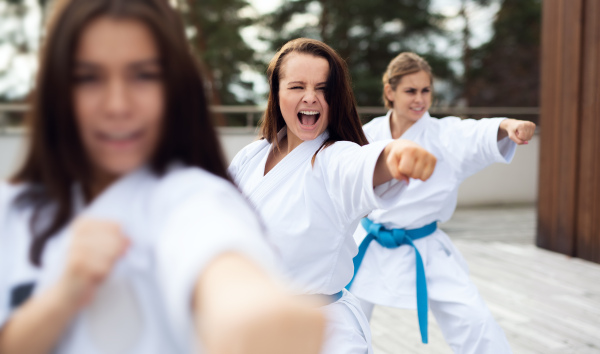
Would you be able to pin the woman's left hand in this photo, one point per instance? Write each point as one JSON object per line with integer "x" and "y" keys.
{"x": 519, "y": 131}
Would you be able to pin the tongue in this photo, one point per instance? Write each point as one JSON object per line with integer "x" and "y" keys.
{"x": 308, "y": 120}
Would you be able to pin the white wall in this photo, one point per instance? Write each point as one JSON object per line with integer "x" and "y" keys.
{"x": 498, "y": 184}
{"x": 10, "y": 150}
{"x": 516, "y": 182}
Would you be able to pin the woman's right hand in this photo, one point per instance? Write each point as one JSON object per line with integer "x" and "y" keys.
{"x": 96, "y": 246}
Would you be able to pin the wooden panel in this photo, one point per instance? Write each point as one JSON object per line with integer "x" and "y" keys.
{"x": 559, "y": 117}
{"x": 588, "y": 209}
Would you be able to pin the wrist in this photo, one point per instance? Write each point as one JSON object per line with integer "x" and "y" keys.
{"x": 68, "y": 294}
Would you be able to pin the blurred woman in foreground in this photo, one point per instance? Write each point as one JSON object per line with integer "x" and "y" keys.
{"x": 123, "y": 200}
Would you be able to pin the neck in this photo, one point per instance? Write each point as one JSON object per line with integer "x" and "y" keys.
{"x": 291, "y": 142}
{"x": 399, "y": 125}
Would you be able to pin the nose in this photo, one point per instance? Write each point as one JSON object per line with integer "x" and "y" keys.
{"x": 310, "y": 96}
{"x": 117, "y": 102}
{"x": 419, "y": 97}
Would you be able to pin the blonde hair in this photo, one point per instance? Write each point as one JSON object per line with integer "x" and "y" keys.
{"x": 404, "y": 64}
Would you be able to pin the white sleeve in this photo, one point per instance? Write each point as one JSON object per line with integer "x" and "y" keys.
{"x": 348, "y": 171}
{"x": 4, "y": 290}
{"x": 242, "y": 157}
{"x": 202, "y": 228}
{"x": 473, "y": 145}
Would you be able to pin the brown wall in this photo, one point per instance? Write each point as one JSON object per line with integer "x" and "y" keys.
{"x": 569, "y": 188}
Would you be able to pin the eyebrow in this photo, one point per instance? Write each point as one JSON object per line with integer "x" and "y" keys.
{"x": 134, "y": 65}
{"x": 302, "y": 82}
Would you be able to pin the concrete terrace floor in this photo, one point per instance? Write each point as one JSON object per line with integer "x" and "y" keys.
{"x": 545, "y": 302}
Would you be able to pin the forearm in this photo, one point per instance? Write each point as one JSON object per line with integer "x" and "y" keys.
{"x": 503, "y": 129}
{"x": 36, "y": 327}
{"x": 382, "y": 172}
{"x": 227, "y": 280}
{"x": 239, "y": 308}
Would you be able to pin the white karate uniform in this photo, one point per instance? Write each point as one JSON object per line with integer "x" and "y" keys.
{"x": 387, "y": 276}
{"x": 177, "y": 224}
{"x": 15, "y": 269}
{"x": 311, "y": 213}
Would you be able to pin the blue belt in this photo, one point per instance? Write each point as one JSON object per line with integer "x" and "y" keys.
{"x": 393, "y": 239}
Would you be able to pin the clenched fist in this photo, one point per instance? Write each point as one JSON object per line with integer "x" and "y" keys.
{"x": 519, "y": 131}
{"x": 404, "y": 159}
{"x": 95, "y": 247}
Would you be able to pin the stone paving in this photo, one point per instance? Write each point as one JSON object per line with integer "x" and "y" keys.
{"x": 545, "y": 302}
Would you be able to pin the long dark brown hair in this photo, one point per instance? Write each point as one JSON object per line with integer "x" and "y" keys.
{"x": 344, "y": 123}
{"x": 55, "y": 157}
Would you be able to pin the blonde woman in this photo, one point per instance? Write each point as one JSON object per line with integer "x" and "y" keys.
{"x": 412, "y": 263}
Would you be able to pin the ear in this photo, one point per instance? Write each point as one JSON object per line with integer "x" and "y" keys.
{"x": 389, "y": 92}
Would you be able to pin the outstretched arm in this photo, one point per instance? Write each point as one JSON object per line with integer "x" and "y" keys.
{"x": 238, "y": 308}
{"x": 403, "y": 159}
{"x": 519, "y": 131}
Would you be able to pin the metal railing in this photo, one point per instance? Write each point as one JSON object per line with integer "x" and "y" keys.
{"x": 253, "y": 114}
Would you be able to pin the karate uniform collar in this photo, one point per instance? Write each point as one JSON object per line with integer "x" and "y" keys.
{"x": 413, "y": 132}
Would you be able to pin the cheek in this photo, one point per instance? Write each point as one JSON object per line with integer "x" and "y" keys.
{"x": 287, "y": 105}
{"x": 149, "y": 100}
{"x": 152, "y": 110}
{"x": 428, "y": 100}
{"x": 149, "y": 103}
{"x": 402, "y": 101}
{"x": 85, "y": 106}
{"x": 325, "y": 107}
{"x": 85, "y": 102}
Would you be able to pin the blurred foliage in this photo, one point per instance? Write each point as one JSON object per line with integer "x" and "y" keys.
{"x": 367, "y": 34}
{"x": 213, "y": 28}
{"x": 13, "y": 36}
{"x": 506, "y": 70}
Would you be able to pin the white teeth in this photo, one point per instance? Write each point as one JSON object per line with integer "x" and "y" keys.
{"x": 121, "y": 136}
{"x": 417, "y": 109}
{"x": 309, "y": 113}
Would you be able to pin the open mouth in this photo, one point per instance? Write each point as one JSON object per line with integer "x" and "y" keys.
{"x": 119, "y": 139}
{"x": 418, "y": 109}
{"x": 308, "y": 119}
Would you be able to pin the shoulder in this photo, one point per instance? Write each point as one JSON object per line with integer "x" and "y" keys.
{"x": 338, "y": 152}
{"x": 375, "y": 124}
{"x": 194, "y": 191}
{"x": 181, "y": 182}
{"x": 339, "y": 147}
{"x": 441, "y": 127}
{"x": 446, "y": 121}
{"x": 248, "y": 152}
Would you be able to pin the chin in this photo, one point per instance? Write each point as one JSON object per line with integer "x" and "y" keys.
{"x": 121, "y": 168}
{"x": 418, "y": 115}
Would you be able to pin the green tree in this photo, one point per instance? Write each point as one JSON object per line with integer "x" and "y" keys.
{"x": 214, "y": 32}
{"x": 505, "y": 70}
{"x": 13, "y": 35}
{"x": 367, "y": 34}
